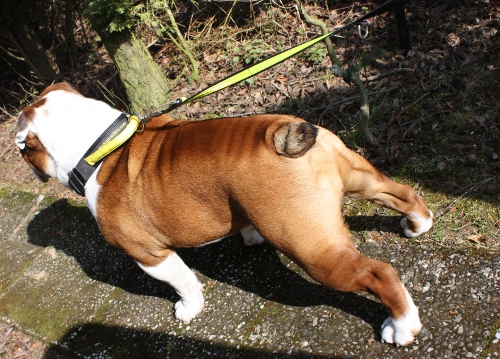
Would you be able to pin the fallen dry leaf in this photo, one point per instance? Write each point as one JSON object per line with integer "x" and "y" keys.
{"x": 37, "y": 345}
{"x": 476, "y": 238}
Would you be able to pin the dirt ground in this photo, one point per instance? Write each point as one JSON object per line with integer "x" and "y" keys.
{"x": 434, "y": 112}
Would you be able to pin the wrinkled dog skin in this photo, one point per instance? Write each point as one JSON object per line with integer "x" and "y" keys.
{"x": 272, "y": 177}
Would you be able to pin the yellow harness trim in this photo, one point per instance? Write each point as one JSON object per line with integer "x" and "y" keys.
{"x": 115, "y": 140}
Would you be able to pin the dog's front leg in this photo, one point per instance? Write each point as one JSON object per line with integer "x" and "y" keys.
{"x": 174, "y": 271}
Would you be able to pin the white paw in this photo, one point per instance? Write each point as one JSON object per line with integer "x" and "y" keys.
{"x": 251, "y": 236}
{"x": 423, "y": 225}
{"x": 396, "y": 332}
{"x": 188, "y": 308}
{"x": 388, "y": 331}
{"x": 401, "y": 331}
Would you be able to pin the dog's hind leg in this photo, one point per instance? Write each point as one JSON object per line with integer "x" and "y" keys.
{"x": 315, "y": 237}
{"x": 364, "y": 181}
{"x": 345, "y": 269}
{"x": 174, "y": 271}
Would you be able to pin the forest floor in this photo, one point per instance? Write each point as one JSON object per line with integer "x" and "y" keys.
{"x": 435, "y": 112}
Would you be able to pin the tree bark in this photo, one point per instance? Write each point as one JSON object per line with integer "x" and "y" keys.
{"x": 145, "y": 84}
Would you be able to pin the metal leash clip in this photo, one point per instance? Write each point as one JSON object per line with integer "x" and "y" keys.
{"x": 176, "y": 104}
{"x": 364, "y": 28}
{"x": 142, "y": 122}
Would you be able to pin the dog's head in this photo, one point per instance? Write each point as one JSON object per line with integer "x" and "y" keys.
{"x": 33, "y": 151}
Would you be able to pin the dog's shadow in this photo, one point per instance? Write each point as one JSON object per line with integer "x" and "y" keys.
{"x": 255, "y": 269}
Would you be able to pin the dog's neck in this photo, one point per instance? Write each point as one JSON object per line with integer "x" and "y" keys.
{"x": 78, "y": 122}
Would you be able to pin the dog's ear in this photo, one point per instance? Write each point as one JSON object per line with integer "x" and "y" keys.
{"x": 24, "y": 126}
{"x": 294, "y": 139}
{"x": 32, "y": 150}
{"x": 25, "y": 121}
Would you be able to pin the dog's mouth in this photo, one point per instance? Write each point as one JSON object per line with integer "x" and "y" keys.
{"x": 43, "y": 177}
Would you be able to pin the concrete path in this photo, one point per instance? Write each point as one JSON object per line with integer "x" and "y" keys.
{"x": 62, "y": 284}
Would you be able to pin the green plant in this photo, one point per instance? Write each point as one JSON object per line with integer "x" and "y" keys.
{"x": 314, "y": 54}
{"x": 117, "y": 15}
{"x": 254, "y": 51}
{"x": 232, "y": 54}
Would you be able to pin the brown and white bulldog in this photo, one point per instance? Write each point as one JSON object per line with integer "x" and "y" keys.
{"x": 185, "y": 184}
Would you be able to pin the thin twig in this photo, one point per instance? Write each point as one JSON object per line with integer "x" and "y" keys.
{"x": 414, "y": 123}
{"x": 280, "y": 90}
{"x": 355, "y": 97}
{"x": 19, "y": 58}
{"x": 445, "y": 210}
{"x": 387, "y": 74}
{"x": 182, "y": 44}
{"x": 334, "y": 115}
{"x": 6, "y": 149}
{"x": 228, "y": 15}
{"x": 286, "y": 33}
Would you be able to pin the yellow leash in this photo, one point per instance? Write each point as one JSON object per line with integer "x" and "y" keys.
{"x": 271, "y": 61}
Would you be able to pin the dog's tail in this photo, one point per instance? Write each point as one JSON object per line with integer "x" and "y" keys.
{"x": 294, "y": 139}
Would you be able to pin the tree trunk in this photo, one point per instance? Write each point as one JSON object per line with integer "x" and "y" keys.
{"x": 145, "y": 84}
